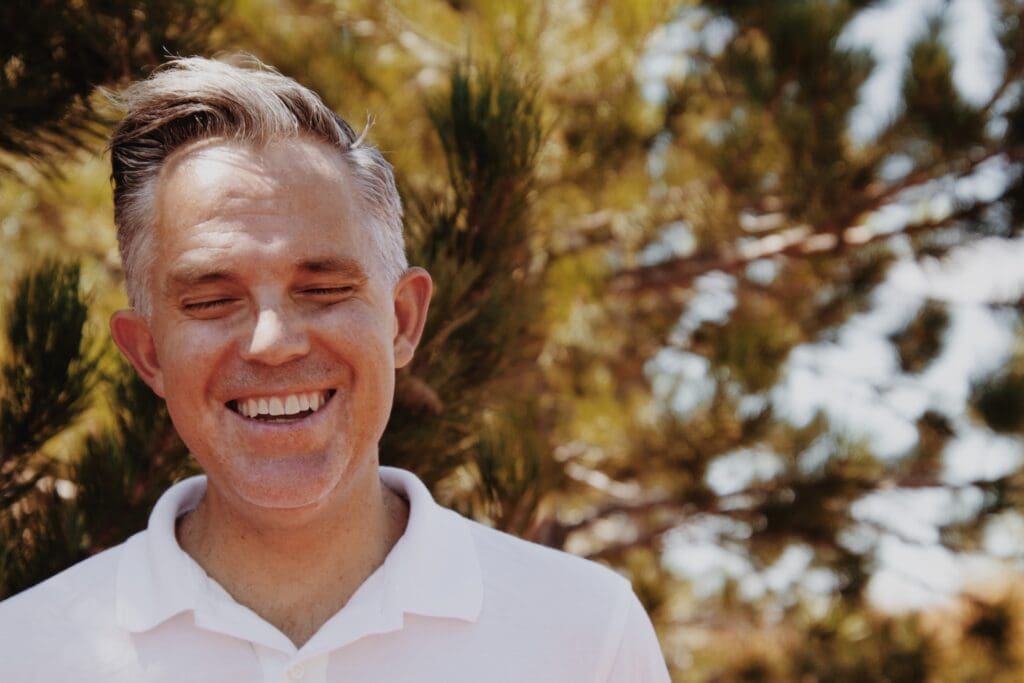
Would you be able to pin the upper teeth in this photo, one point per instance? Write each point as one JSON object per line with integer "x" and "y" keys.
{"x": 290, "y": 404}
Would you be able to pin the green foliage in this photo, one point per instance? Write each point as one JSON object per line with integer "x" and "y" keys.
{"x": 845, "y": 649}
{"x": 790, "y": 74}
{"x": 47, "y": 374}
{"x": 472, "y": 237}
{"x": 38, "y": 543}
{"x": 1000, "y": 402}
{"x": 56, "y": 507}
{"x": 751, "y": 348}
{"x": 123, "y": 470}
{"x": 921, "y": 340}
{"x": 998, "y": 399}
{"x": 934, "y": 105}
{"x": 490, "y": 130}
{"x": 54, "y": 54}
{"x": 512, "y": 470}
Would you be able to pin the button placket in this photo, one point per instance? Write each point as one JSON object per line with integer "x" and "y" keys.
{"x": 296, "y": 672}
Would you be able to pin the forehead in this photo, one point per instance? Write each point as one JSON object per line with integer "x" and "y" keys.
{"x": 217, "y": 177}
{"x": 216, "y": 195}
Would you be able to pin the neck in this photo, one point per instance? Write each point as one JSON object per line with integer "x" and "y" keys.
{"x": 296, "y": 568}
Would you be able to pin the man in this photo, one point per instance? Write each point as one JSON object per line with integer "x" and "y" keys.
{"x": 271, "y": 305}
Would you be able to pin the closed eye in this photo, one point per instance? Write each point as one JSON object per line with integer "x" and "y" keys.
{"x": 206, "y": 305}
{"x": 329, "y": 291}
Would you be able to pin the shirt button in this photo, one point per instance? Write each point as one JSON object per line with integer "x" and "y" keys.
{"x": 296, "y": 672}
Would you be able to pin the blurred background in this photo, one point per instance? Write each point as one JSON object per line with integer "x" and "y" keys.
{"x": 729, "y": 297}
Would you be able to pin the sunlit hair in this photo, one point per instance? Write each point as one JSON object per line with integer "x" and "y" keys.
{"x": 192, "y": 99}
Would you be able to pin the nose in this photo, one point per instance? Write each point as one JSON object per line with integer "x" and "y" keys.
{"x": 276, "y": 339}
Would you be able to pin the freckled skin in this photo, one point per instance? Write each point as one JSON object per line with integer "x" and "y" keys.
{"x": 252, "y": 215}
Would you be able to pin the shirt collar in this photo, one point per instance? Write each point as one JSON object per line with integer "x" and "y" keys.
{"x": 433, "y": 570}
{"x": 156, "y": 579}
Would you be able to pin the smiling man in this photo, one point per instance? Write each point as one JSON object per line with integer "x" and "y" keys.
{"x": 271, "y": 304}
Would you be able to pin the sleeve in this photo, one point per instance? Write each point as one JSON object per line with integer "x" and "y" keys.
{"x": 639, "y": 658}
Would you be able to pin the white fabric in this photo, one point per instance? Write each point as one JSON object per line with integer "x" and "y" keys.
{"x": 454, "y": 601}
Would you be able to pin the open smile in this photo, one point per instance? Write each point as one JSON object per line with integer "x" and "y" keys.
{"x": 281, "y": 407}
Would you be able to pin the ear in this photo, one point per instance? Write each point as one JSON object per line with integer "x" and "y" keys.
{"x": 132, "y": 335}
{"x": 412, "y": 298}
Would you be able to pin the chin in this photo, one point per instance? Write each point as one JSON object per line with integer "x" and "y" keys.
{"x": 290, "y": 482}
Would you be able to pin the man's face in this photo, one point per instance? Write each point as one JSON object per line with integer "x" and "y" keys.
{"x": 274, "y": 334}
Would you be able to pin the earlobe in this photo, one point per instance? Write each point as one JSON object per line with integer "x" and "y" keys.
{"x": 412, "y": 299}
{"x": 132, "y": 335}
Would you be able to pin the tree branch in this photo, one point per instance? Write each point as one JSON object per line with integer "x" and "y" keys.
{"x": 797, "y": 241}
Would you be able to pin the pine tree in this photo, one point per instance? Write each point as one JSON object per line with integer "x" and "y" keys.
{"x": 55, "y": 54}
{"x": 70, "y": 484}
{"x": 570, "y": 222}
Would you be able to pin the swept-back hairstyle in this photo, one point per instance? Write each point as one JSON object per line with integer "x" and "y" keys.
{"x": 239, "y": 98}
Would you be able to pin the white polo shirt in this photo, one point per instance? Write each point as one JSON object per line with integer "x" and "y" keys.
{"x": 454, "y": 601}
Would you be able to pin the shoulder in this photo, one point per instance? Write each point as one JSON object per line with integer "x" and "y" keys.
{"x": 510, "y": 557}
{"x": 88, "y": 580}
{"x": 516, "y": 576}
{"x": 520, "y": 575}
{"x": 580, "y": 616}
{"x": 78, "y": 602}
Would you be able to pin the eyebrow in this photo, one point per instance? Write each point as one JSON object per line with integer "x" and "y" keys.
{"x": 333, "y": 266}
{"x": 193, "y": 275}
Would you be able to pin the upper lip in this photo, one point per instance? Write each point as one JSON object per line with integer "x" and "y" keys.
{"x": 267, "y": 393}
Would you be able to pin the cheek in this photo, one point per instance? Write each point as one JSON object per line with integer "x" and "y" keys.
{"x": 358, "y": 327}
{"x": 186, "y": 355}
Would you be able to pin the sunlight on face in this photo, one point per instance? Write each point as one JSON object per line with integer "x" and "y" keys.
{"x": 272, "y": 322}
